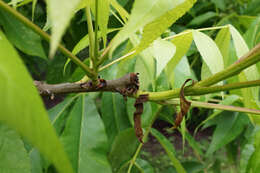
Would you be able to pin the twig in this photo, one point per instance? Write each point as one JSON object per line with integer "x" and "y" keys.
{"x": 126, "y": 85}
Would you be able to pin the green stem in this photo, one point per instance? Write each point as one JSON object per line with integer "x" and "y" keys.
{"x": 197, "y": 90}
{"x": 91, "y": 36}
{"x": 96, "y": 31}
{"x": 46, "y": 37}
{"x": 251, "y": 58}
{"x": 213, "y": 106}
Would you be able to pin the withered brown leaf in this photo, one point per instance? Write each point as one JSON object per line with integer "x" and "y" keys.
{"x": 184, "y": 104}
{"x": 137, "y": 116}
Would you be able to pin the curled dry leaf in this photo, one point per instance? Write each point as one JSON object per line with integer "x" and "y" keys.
{"x": 137, "y": 116}
{"x": 184, "y": 104}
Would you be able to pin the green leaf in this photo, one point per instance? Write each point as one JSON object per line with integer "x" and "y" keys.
{"x": 198, "y": 20}
{"x": 114, "y": 115}
{"x": 163, "y": 51}
{"x": 36, "y": 161}
{"x": 251, "y": 73}
{"x": 181, "y": 73}
{"x": 144, "y": 65}
{"x": 223, "y": 42}
{"x": 141, "y": 16}
{"x": 17, "y": 91}
{"x": 146, "y": 115}
{"x": 254, "y": 162}
{"x": 220, "y": 4}
{"x": 122, "y": 12}
{"x": 229, "y": 126}
{"x": 84, "y": 3}
{"x": 229, "y": 100}
{"x": 168, "y": 147}
{"x": 155, "y": 28}
{"x": 209, "y": 51}
{"x": 143, "y": 166}
{"x": 182, "y": 43}
{"x": 84, "y": 42}
{"x": 13, "y": 156}
{"x": 246, "y": 154}
{"x": 59, "y": 113}
{"x": 194, "y": 144}
{"x": 60, "y": 19}
{"x": 85, "y": 138}
{"x": 252, "y": 34}
{"x": 21, "y": 36}
{"x": 123, "y": 148}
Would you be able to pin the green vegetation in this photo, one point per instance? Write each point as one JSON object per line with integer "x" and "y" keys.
{"x": 114, "y": 72}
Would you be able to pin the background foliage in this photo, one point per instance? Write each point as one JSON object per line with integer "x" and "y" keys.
{"x": 166, "y": 42}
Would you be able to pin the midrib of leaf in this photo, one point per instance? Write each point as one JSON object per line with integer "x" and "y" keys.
{"x": 81, "y": 125}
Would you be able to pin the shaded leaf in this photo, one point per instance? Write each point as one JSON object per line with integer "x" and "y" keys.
{"x": 59, "y": 113}
{"x": 229, "y": 100}
{"x": 30, "y": 121}
{"x": 123, "y": 148}
{"x": 168, "y": 147}
{"x": 36, "y": 161}
{"x": 21, "y": 36}
{"x": 144, "y": 166}
{"x": 13, "y": 156}
{"x": 85, "y": 139}
{"x": 200, "y": 19}
{"x": 194, "y": 144}
{"x": 254, "y": 162}
{"x": 229, "y": 126}
{"x": 114, "y": 115}
{"x": 220, "y": 4}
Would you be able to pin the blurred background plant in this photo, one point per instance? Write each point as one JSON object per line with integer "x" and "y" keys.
{"x": 209, "y": 140}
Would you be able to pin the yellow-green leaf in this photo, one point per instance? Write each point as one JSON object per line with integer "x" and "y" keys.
{"x": 155, "y": 28}
{"x": 209, "y": 51}
{"x": 22, "y": 109}
{"x": 144, "y": 12}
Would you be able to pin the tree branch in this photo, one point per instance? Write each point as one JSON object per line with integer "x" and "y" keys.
{"x": 126, "y": 85}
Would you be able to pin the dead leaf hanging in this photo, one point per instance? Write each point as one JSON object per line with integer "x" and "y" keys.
{"x": 137, "y": 116}
{"x": 184, "y": 104}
